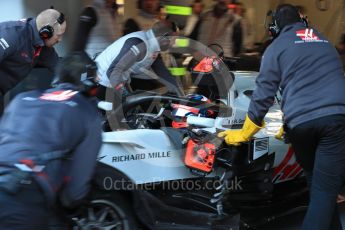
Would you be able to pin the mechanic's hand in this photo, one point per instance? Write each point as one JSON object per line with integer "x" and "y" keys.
{"x": 122, "y": 91}
{"x": 71, "y": 217}
{"x": 236, "y": 137}
{"x": 125, "y": 92}
{"x": 232, "y": 137}
{"x": 280, "y": 135}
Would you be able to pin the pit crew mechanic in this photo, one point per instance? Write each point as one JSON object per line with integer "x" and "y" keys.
{"x": 49, "y": 142}
{"x": 133, "y": 55}
{"x": 307, "y": 68}
{"x": 27, "y": 43}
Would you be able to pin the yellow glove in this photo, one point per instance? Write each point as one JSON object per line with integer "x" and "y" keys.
{"x": 280, "y": 134}
{"x": 236, "y": 137}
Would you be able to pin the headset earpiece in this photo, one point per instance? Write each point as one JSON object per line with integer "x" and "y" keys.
{"x": 305, "y": 21}
{"x": 61, "y": 18}
{"x": 47, "y": 31}
{"x": 273, "y": 29}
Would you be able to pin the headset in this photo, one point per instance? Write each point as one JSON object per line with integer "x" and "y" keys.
{"x": 273, "y": 27}
{"x": 47, "y": 31}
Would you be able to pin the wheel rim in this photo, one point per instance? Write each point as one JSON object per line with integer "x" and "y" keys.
{"x": 101, "y": 215}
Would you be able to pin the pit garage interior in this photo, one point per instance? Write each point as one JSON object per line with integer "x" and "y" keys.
{"x": 328, "y": 16}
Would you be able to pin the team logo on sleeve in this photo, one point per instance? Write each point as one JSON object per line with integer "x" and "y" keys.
{"x": 4, "y": 44}
{"x": 61, "y": 95}
{"x": 307, "y": 35}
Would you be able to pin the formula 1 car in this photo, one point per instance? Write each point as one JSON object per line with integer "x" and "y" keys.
{"x": 162, "y": 165}
{"x": 156, "y": 176}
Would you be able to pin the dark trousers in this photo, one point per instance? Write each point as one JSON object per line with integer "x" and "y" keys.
{"x": 25, "y": 210}
{"x": 1, "y": 104}
{"x": 320, "y": 149}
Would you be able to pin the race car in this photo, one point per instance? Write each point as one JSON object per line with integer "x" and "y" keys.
{"x": 153, "y": 175}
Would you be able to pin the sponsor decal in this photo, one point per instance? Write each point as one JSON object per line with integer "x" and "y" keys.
{"x": 183, "y": 110}
{"x": 101, "y": 157}
{"x": 4, "y": 44}
{"x": 287, "y": 170}
{"x": 61, "y": 95}
{"x": 307, "y": 35}
{"x": 29, "y": 99}
{"x": 232, "y": 121}
{"x": 141, "y": 156}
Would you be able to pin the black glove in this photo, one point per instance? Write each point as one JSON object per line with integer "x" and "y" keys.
{"x": 67, "y": 214}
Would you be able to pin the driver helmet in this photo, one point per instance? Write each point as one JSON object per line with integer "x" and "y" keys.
{"x": 197, "y": 97}
{"x": 181, "y": 112}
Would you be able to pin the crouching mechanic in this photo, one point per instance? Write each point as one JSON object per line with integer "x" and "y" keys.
{"x": 49, "y": 142}
{"x": 134, "y": 55}
{"x": 307, "y": 68}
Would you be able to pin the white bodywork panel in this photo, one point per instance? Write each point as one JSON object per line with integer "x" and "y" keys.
{"x": 148, "y": 155}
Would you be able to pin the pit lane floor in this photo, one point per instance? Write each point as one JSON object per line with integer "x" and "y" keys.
{"x": 294, "y": 221}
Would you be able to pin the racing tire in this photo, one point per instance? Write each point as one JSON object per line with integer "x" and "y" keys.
{"x": 107, "y": 211}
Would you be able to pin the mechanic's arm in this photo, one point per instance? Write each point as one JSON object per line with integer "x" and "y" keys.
{"x": 81, "y": 168}
{"x": 134, "y": 50}
{"x": 267, "y": 83}
{"x": 7, "y": 47}
{"x": 48, "y": 58}
{"x": 162, "y": 71}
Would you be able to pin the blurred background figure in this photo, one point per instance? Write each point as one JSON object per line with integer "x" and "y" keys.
{"x": 341, "y": 45}
{"x": 243, "y": 27}
{"x": 191, "y": 29}
{"x": 108, "y": 28}
{"x": 222, "y": 22}
{"x": 148, "y": 11}
{"x": 303, "y": 14}
{"x": 341, "y": 49}
{"x": 301, "y": 10}
{"x": 162, "y": 14}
